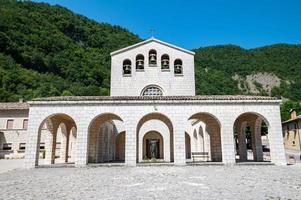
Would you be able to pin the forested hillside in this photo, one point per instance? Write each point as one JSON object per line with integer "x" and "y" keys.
{"x": 223, "y": 70}
{"x": 48, "y": 51}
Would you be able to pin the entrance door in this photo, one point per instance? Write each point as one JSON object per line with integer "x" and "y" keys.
{"x": 153, "y": 145}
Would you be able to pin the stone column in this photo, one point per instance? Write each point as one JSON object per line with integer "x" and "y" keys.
{"x": 256, "y": 140}
{"x": 228, "y": 145}
{"x": 242, "y": 145}
{"x": 72, "y": 143}
{"x": 277, "y": 151}
{"x": 258, "y": 155}
{"x": 50, "y": 143}
{"x": 207, "y": 145}
{"x": 81, "y": 147}
{"x": 179, "y": 139}
{"x": 130, "y": 141}
{"x": 32, "y": 140}
{"x": 65, "y": 128}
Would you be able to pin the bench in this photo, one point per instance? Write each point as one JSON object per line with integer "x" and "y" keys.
{"x": 200, "y": 156}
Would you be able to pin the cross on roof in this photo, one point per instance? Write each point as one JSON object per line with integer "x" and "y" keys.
{"x": 152, "y": 30}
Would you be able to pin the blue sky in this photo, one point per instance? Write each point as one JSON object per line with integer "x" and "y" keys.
{"x": 195, "y": 23}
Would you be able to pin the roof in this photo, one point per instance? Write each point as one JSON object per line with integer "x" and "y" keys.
{"x": 152, "y": 39}
{"x": 291, "y": 120}
{"x": 14, "y": 106}
{"x": 143, "y": 98}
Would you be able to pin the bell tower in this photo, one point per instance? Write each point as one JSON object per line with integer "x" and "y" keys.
{"x": 152, "y": 68}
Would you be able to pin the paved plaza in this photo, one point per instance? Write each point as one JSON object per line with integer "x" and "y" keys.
{"x": 154, "y": 182}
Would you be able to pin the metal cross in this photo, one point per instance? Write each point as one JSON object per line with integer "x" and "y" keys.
{"x": 152, "y": 30}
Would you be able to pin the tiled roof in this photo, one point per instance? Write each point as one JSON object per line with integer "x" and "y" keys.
{"x": 142, "y": 98}
{"x": 14, "y": 106}
{"x": 291, "y": 120}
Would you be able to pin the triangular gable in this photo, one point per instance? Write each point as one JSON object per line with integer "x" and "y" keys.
{"x": 152, "y": 39}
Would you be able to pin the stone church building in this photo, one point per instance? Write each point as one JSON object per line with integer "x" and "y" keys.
{"x": 153, "y": 115}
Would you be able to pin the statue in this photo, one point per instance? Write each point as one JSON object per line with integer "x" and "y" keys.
{"x": 153, "y": 148}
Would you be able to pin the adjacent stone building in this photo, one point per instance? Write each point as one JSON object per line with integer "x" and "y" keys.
{"x": 13, "y": 133}
{"x": 153, "y": 115}
{"x": 292, "y": 132}
{"x": 13, "y": 128}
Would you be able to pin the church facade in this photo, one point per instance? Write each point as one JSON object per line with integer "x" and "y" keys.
{"x": 153, "y": 115}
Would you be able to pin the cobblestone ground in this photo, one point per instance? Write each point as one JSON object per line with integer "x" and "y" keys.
{"x": 155, "y": 182}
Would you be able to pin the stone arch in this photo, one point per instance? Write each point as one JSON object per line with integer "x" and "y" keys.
{"x": 251, "y": 137}
{"x": 206, "y": 140}
{"x": 102, "y": 139}
{"x": 163, "y": 124}
{"x": 48, "y": 132}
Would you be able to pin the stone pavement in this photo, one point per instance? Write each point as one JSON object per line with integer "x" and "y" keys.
{"x": 155, "y": 182}
{"x": 7, "y": 165}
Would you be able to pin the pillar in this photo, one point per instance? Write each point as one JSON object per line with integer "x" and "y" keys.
{"x": 32, "y": 140}
{"x": 277, "y": 151}
{"x": 256, "y": 140}
{"x": 72, "y": 143}
{"x": 130, "y": 141}
{"x": 179, "y": 139}
{"x": 228, "y": 145}
{"x": 50, "y": 143}
{"x": 242, "y": 144}
{"x": 81, "y": 147}
{"x": 65, "y": 129}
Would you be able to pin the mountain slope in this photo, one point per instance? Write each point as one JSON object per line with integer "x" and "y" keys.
{"x": 273, "y": 70}
{"x": 68, "y": 54}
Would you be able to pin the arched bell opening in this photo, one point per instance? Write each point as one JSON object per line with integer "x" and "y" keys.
{"x": 152, "y": 58}
{"x": 165, "y": 62}
{"x": 139, "y": 62}
{"x": 127, "y": 67}
{"x": 178, "y": 67}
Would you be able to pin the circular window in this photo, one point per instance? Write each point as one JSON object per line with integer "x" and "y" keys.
{"x": 152, "y": 91}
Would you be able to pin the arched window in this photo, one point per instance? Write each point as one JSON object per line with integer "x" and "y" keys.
{"x": 178, "y": 66}
{"x": 127, "y": 67}
{"x": 165, "y": 61}
{"x": 152, "y": 90}
{"x": 140, "y": 62}
{"x": 152, "y": 57}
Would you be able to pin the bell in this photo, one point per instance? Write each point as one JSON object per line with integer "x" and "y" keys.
{"x": 140, "y": 63}
{"x": 165, "y": 62}
{"x": 153, "y": 57}
{"x": 127, "y": 67}
{"x": 178, "y": 67}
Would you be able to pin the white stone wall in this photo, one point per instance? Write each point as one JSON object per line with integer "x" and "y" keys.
{"x": 226, "y": 112}
{"x": 171, "y": 84}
